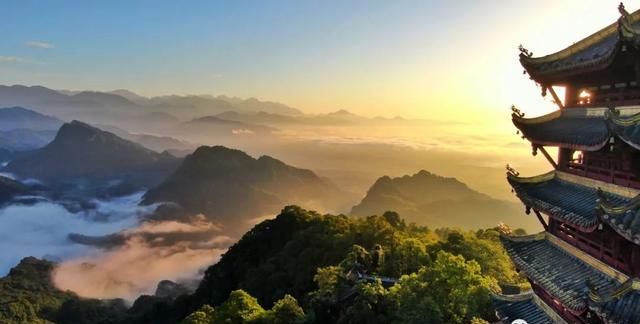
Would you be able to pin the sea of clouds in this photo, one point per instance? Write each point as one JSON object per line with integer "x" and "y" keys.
{"x": 143, "y": 254}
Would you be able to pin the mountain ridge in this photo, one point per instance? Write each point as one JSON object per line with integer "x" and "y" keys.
{"x": 436, "y": 201}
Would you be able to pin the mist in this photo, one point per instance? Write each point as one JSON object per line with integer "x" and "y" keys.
{"x": 149, "y": 253}
{"x": 42, "y": 229}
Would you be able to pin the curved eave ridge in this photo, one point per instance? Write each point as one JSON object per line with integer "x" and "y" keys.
{"x": 619, "y": 305}
{"x": 561, "y": 199}
{"x": 578, "y": 129}
{"x": 623, "y": 217}
{"x": 523, "y": 306}
{"x": 627, "y": 128}
{"x": 561, "y": 274}
{"x": 593, "y": 53}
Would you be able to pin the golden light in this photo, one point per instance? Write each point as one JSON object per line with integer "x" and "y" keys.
{"x": 585, "y": 97}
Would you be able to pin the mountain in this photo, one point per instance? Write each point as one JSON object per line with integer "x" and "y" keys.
{"x": 131, "y": 96}
{"x": 337, "y": 118}
{"x": 435, "y": 201}
{"x": 10, "y": 188}
{"x": 152, "y": 142}
{"x": 81, "y": 152}
{"x": 233, "y": 188}
{"x": 28, "y": 295}
{"x": 21, "y": 118}
{"x": 255, "y": 105}
{"x": 213, "y": 125}
{"x": 23, "y": 139}
{"x": 259, "y": 118}
{"x": 161, "y": 117}
{"x": 121, "y": 105}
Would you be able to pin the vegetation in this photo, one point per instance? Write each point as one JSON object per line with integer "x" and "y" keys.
{"x": 302, "y": 267}
{"x": 444, "y": 276}
{"x": 27, "y": 294}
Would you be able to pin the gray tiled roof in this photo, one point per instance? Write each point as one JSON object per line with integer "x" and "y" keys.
{"x": 580, "y": 128}
{"x": 619, "y": 306}
{"x": 570, "y": 128}
{"x": 622, "y": 216}
{"x": 510, "y": 308}
{"x": 561, "y": 274}
{"x": 593, "y": 53}
{"x": 569, "y": 202}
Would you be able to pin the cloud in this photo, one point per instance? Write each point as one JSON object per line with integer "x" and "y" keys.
{"x": 42, "y": 229}
{"x": 142, "y": 257}
{"x": 38, "y": 44}
{"x": 11, "y": 59}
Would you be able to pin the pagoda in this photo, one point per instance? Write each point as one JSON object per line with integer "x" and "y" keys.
{"x": 584, "y": 267}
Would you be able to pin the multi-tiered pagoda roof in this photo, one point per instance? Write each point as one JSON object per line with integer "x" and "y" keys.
{"x": 592, "y": 54}
{"x": 584, "y": 129}
{"x": 584, "y": 267}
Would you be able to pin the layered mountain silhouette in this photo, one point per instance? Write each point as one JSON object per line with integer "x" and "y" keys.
{"x": 435, "y": 201}
{"x": 338, "y": 118}
{"x": 232, "y": 187}
{"x": 110, "y": 106}
{"x": 82, "y": 153}
{"x": 12, "y": 118}
{"x": 213, "y": 125}
{"x": 153, "y": 142}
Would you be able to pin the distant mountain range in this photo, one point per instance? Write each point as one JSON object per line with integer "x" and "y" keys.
{"x": 13, "y": 118}
{"x": 82, "y": 154}
{"x": 22, "y": 129}
{"x": 153, "y": 142}
{"x": 212, "y": 125}
{"x": 23, "y": 139}
{"x": 232, "y": 187}
{"x": 435, "y": 201}
{"x": 337, "y": 118}
{"x": 91, "y": 105}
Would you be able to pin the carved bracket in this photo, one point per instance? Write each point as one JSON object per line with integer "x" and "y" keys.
{"x": 516, "y": 111}
{"x": 511, "y": 171}
{"x": 524, "y": 52}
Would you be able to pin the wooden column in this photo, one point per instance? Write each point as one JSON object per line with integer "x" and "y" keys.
{"x": 570, "y": 96}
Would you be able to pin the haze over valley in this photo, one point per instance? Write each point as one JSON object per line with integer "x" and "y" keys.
{"x": 171, "y": 181}
{"x": 284, "y": 162}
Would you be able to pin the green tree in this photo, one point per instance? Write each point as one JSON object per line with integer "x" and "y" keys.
{"x": 202, "y": 316}
{"x": 358, "y": 259}
{"x": 408, "y": 256}
{"x": 285, "y": 311}
{"x": 371, "y": 305}
{"x": 240, "y": 308}
{"x": 327, "y": 280}
{"x": 452, "y": 290}
{"x": 394, "y": 219}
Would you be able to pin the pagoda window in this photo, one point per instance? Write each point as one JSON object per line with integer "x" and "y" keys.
{"x": 584, "y": 98}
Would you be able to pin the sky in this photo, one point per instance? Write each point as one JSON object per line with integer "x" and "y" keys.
{"x": 425, "y": 59}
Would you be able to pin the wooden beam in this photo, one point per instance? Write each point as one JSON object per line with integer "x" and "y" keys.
{"x": 555, "y": 97}
{"x": 541, "y": 219}
{"x": 549, "y": 158}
